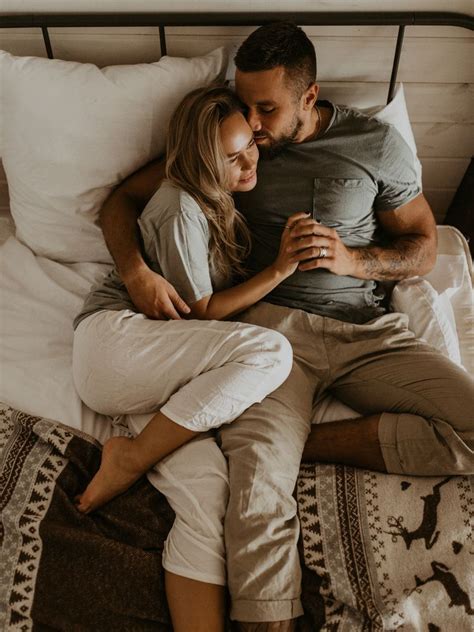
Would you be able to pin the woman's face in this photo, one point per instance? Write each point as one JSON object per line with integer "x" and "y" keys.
{"x": 242, "y": 153}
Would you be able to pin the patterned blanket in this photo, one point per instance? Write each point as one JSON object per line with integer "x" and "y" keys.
{"x": 59, "y": 569}
{"x": 380, "y": 552}
{"x": 391, "y": 552}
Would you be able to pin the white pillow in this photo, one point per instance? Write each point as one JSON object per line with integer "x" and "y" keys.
{"x": 430, "y": 315}
{"x": 71, "y": 132}
{"x": 396, "y": 114}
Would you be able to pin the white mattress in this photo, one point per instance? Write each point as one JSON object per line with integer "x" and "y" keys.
{"x": 40, "y": 297}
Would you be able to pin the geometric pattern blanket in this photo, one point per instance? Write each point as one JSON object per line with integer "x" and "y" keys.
{"x": 380, "y": 552}
{"x": 62, "y": 570}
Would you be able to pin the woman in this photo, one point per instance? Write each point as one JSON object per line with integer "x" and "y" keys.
{"x": 192, "y": 376}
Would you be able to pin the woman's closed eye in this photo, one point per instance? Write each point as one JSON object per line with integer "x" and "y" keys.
{"x": 235, "y": 158}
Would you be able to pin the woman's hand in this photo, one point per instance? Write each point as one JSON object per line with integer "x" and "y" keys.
{"x": 317, "y": 246}
{"x": 286, "y": 262}
{"x": 154, "y": 296}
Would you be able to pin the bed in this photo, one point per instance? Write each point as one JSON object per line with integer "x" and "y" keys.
{"x": 379, "y": 552}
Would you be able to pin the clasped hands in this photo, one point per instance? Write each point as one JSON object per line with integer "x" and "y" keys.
{"x": 303, "y": 243}
{"x": 317, "y": 246}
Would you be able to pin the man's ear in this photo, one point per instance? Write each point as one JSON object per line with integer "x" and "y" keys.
{"x": 310, "y": 96}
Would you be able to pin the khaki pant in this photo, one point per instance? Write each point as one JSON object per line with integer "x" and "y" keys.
{"x": 427, "y": 428}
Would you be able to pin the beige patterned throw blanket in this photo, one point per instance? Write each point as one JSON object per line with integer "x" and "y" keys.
{"x": 380, "y": 552}
{"x": 391, "y": 552}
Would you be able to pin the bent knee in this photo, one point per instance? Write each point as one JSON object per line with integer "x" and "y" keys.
{"x": 278, "y": 354}
{"x": 412, "y": 444}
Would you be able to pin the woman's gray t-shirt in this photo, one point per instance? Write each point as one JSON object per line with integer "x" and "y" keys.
{"x": 175, "y": 240}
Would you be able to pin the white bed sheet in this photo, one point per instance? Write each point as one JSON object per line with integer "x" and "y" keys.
{"x": 453, "y": 277}
{"x": 40, "y": 297}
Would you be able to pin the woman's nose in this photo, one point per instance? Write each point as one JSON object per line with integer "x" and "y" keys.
{"x": 248, "y": 162}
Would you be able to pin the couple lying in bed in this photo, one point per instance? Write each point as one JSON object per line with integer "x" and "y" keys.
{"x": 306, "y": 238}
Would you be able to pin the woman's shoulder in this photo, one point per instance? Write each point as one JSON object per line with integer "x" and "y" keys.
{"x": 171, "y": 201}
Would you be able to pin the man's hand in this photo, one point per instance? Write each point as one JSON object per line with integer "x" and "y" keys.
{"x": 154, "y": 296}
{"x": 411, "y": 251}
{"x": 312, "y": 240}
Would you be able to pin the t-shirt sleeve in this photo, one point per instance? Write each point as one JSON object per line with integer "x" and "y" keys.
{"x": 180, "y": 246}
{"x": 397, "y": 178}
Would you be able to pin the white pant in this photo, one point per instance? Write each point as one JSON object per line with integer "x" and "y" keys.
{"x": 200, "y": 374}
{"x": 195, "y": 481}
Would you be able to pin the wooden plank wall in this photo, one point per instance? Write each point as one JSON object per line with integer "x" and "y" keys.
{"x": 354, "y": 67}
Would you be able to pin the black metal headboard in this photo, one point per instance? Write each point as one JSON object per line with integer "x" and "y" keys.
{"x": 302, "y": 18}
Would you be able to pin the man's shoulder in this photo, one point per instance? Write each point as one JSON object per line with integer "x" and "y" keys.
{"x": 356, "y": 121}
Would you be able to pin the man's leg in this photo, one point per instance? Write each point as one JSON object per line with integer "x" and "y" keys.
{"x": 264, "y": 448}
{"x": 419, "y": 406}
{"x": 348, "y": 441}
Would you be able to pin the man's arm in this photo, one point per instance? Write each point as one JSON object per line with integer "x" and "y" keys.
{"x": 150, "y": 292}
{"x": 411, "y": 251}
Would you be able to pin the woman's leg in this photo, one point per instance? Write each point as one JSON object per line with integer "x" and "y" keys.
{"x": 195, "y": 605}
{"x": 208, "y": 373}
{"x": 195, "y": 481}
{"x": 125, "y": 460}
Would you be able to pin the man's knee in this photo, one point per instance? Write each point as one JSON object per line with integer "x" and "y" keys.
{"x": 425, "y": 447}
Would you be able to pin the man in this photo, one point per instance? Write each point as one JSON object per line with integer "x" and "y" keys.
{"x": 356, "y": 177}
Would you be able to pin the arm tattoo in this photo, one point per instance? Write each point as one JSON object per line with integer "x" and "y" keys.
{"x": 403, "y": 258}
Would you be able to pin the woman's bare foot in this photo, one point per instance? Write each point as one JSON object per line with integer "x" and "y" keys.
{"x": 119, "y": 469}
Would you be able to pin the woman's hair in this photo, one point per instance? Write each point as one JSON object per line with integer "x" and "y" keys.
{"x": 196, "y": 162}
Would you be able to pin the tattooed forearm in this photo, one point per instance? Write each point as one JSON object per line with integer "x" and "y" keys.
{"x": 405, "y": 257}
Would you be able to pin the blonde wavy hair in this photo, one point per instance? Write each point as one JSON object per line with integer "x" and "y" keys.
{"x": 196, "y": 162}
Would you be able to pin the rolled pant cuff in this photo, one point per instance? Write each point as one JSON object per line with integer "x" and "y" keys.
{"x": 388, "y": 426}
{"x": 247, "y": 611}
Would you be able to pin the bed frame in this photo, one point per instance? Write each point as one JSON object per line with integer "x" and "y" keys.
{"x": 303, "y": 18}
{"x": 143, "y": 510}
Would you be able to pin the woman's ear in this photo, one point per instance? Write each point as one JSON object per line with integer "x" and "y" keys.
{"x": 310, "y": 96}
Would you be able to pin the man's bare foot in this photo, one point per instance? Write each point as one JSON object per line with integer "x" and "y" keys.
{"x": 118, "y": 470}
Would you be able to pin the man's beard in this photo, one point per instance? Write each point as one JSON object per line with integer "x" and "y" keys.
{"x": 276, "y": 147}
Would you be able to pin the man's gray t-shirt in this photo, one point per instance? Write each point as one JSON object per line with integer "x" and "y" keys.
{"x": 357, "y": 167}
{"x": 175, "y": 243}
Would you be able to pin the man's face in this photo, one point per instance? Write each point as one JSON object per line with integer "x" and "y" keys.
{"x": 273, "y": 111}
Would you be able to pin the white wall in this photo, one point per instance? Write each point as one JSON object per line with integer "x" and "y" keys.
{"x": 354, "y": 65}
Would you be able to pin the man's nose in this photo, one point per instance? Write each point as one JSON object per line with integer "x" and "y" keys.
{"x": 254, "y": 121}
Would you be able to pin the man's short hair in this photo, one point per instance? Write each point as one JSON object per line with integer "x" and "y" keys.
{"x": 280, "y": 44}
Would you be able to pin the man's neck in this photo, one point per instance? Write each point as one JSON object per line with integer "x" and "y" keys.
{"x": 317, "y": 125}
